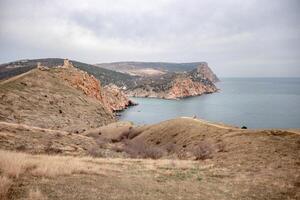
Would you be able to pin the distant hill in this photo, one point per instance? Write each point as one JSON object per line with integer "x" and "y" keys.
{"x": 140, "y": 79}
{"x": 143, "y": 68}
{"x": 106, "y": 76}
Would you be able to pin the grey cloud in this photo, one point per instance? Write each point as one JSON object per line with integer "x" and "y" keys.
{"x": 236, "y": 37}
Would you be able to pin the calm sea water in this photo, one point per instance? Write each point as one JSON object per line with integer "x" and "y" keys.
{"x": 253, "y": 102}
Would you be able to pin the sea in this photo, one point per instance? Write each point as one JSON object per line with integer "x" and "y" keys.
{"x": 250, "y": 102}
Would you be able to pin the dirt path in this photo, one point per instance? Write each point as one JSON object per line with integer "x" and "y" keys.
{"x": 211, "y": 124}
{"x": 15, "y": 77}
{"x": 15, "y": 125}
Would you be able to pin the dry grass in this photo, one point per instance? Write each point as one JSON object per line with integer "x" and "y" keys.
{"x": 36, "y": 140}
{"x": 5, "y": 184}
{"x": 66, "y": 177}
{"x": 14, "y": 164}
{"x": 36, "y": 195}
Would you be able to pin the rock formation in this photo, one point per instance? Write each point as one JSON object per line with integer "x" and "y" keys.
{"x": 185, "y": 87}
{"x": 115, "y": 98}
{"x": 173, "y": 86}
{"x": 207, "y": 73}
{"x": 81, "y": 80}
{"x": 110, "y": 96}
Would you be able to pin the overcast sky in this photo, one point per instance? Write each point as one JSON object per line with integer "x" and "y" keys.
{"x": 236, "y": 37}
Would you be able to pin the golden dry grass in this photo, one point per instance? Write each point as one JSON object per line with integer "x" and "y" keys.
{"x": 5, "y": 184}
{"x": 13, "y": 164}
{"x": 67, "y": 177}
{"x": 36, "y": 194}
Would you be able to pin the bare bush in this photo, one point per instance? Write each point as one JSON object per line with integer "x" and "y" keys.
{"x": 21, "y": 147}
{"x": 50, "y": 149}
{"x": 138, "y": 149}
{"x": 123, "y": 136}
{"x": 36, "y": 195}
{"x": 102, "y": 142}
{"x": 5, "y": 184}
{"x": 134, "y": 133}
{"x": 221, "y": 147}
{"x": 203, "y": 151}
{"x": 96, "y": 152}
{"x": 117, "y": 149}
{"x": 170, "y": 147}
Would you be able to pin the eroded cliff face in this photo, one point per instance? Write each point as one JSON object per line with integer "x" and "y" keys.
{"x": 174, "y": 86}
{"x": 115, "y": 98}
{"x": 207, "y": 73}
{"x": 185, "y": 87}
{"x": 110, "y": 96}
{"x": 81, "y": 80}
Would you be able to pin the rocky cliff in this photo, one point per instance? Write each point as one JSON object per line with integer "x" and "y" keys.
{"x": 173, "y": 86}
{"x": 115, "y": 98}
{"x": 176, "y": 80}
{"x": 185, "y": 87}
{"x": 110, "y": 96}
{"x": 206, "y": 72}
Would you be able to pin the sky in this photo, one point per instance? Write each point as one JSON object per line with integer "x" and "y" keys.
{"x": 238, "y": 38}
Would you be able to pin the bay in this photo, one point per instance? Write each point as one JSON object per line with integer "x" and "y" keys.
{"x": 251, "y": 102}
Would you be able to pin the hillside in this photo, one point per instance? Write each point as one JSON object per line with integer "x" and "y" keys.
{"x": 63, "y": 98}
{"x": 166, "y": 80}
{"x": 232, "y": 163}
{"x": 172, "y": 86}
{"x": 150, "y": 68}
{"x": 106, "y": 76}
{"x": 164, "y": 66}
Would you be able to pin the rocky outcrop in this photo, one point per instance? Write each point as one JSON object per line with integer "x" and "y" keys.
{"x": 81, "y": 80}
{"x": 173, "y": 86}
{"x": 115, "y": 98}
{"x": 185, "y": 87}
{"x": 110, "y": 96}
{"x": 207, "y": 73}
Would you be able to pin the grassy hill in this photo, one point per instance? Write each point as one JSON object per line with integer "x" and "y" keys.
{"x": 43, "y": 99}
{"x": 235, "y": 163}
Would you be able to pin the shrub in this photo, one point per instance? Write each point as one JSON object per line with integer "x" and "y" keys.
{"x": 36, "y": 195}
{"x": 101, "y": 142}
{"x": 5, "y": 184}
{"x": 134, "y": 132}
{"x": 96, "y": 152}
{"x": 244, "y": 127}
{"x": 170, "y": 147}
{"x": 203, "y": 151}
{"x": 49, "y": 149}
{"x": 138, "y": 149}
{"x": 222, "y": 147}
{"x": 127, "y": 134}
{"x": 21, "y": 147}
